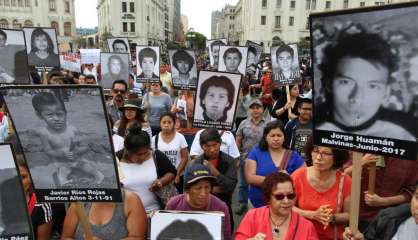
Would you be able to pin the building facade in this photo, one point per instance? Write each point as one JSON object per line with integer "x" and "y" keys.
{"x": 144, "y": 22}
{"x": 58, "y": 14}
{"x": 269, "y": 22}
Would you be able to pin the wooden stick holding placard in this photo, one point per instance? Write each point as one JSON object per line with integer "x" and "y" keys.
{"x": 372, "y": 179}
{"x": 289, "y": 110}
{"x": 355, "y": 191}
{"x": 82, "y": 217}
{"x": 45, "y": 78}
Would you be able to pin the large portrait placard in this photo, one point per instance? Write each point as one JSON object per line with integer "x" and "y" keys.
{"x": 115, "y": 66}
{"x": 213, "y": 49}
{"x": 14, "y": 219}
{"x": 13, "y": 60}
{"x": 285, "y": 62}
{"x": 253, "y": 56}
{"x": 66, "y": 141}
{"x": 148, "y": 63}
{"x": 216, "y": 100}
{"x": 119, "y": 45}
{"x": 365, "y": 82}
{"x": 183, "y": 69}
{"x": 42, "y": 48}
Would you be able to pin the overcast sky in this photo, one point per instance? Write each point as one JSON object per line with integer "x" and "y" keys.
{"x": 198, "y": 11}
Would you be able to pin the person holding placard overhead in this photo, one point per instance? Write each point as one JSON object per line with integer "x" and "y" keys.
{"x": 42, "y": 50}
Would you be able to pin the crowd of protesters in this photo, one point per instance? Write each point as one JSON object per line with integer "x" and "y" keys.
{"x": 288, "y": 188}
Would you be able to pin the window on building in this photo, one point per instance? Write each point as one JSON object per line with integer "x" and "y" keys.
{"x": 52, "y": 5}
{"x": 4, "y": 23}
{"x": 132, "y": 7}
{"x": 307, "y": 23}
{"x": 13, "y": 3}
{"x": 362, "y": 4}
{"x": 20, "y": 3}
{"x": 7, "y": 3}
{"x": 263, "y": 20}
{"x": 16, "y": 24}
{"x": 124, "y": 7}
{"x": 278, "y": 3}
{"x": 125, "y": 27}
{"x": 292, "y": 4}
{"x": 277, "y": 21}
{"x": 308, "y": 4}
{"x": 345, "y": 4}
{"x": 132, "y": 27}
{"x": 291, "y": 21}
{"x": 28, "y": 23}
{"x": 27, "y": 3}
{"x": 379, "y": 3}
{"x": 264, "y": 3}
{"x": 328, "y": 5}
{"x": 67, "y": 6}
{"x": 56, "y": 26}
{"x": 67, "y": 29}
{"x": 313, "y": 5}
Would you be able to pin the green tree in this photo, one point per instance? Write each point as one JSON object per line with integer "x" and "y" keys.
{"x": 173, "y": 45}
{"x": 196, "y": 40}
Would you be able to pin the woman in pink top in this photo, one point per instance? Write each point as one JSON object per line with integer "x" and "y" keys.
{"x": 276, "y": 220}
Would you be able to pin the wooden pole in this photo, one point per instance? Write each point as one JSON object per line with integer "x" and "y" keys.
{"x": 372, "y": 179}
{"x": 355, "y": 191}
{"x": 82, "y": 217}
{"x": 289, "y": 110}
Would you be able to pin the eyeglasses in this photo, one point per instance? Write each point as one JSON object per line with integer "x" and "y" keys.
{"x": 322, "y": 154}
{"x": 118, "y": 91}
{"x": 281, "y": 196}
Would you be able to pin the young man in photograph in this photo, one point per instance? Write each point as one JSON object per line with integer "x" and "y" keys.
{"x": 119, "y": 46}
{"x": 284, "y": 59}
{"x": 232, "y": 58}
{"x": 356, "y": 79}
{"x": 298, "y": 130}
{"x": 249, "y": 134}
{"x": 214, "y": 48}
{"x": 183, "y": 62}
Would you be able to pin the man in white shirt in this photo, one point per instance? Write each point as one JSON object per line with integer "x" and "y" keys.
{"x": 228, "y": 145}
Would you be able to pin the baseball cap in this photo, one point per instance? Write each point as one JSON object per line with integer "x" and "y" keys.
{"x": 256, "y": 101}
{"x": 197, "y": 172}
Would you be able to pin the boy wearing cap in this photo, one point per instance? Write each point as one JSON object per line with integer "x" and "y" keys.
{"x": 249, "y": 133}
{"x": 198, "y": 183}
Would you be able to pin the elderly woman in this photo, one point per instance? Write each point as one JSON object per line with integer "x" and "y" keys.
{"x": 276, "y": 220}
{"x": 216, "y": 98}
{"x": 198, "y": 185}
{"x": 145, "y": 171}
{"x": 324, "y": 191}
{"x": 42, "y": 50}
{"x": 268, "y": 157}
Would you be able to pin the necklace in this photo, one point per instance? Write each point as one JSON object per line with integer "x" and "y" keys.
{"x": 276, "y": 227}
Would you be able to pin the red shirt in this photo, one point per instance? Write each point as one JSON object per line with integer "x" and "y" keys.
{"x": 266, "y": 87}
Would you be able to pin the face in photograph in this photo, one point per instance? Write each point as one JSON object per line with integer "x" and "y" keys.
{"x": 115, "y": 66}
{"x": 216, "y": 98}
{"x": 232, "y": 59}
{"x": 147, "y": 60}
{"x": 119, "y": 46}
{"x": 3, "y": 39}
{"x": 359, "y": 90}
{"x": 251, "y": 58}
{"x": 214, "y": 46}
{"x": 285, "y": 58}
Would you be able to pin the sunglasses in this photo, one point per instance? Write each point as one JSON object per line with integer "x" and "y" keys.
{"x": 119, "y": 91}
{"x": 281, "y": 196}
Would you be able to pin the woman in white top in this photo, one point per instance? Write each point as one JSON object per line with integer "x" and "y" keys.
{"x": 173, "y": 145}
{"x": 144, "y": 170}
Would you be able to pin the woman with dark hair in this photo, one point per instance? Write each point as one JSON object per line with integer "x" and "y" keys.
{"x": 324, "y": 191}
{"x": 132, "y": 113}
{"x": 147, "y": 59}
{"x": 276, "y": 220}
{"x": 144, "y": 171}
{"x": 216, "y": 98}
{"x": 42, "y": 50}
{"x": 183, "y": 62}
{"x": 281, "y": 107}
{"x": 268, "y": 157}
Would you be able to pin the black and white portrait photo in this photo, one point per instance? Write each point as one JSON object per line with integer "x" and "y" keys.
{"x": 118, "y": 45}
{"x": 253, "y": 56}
{"x": 66, "y": 140}
{"x": 13, "y": 60}
{"x": 186, "y": 225}
{"x": 42, "y": 48}
{"x": 148, "y": 63}
{"x": 216, "y": 99}
{"x": 233, "y": 59}
{"x": 14, "y": 219}
{"x": 213, "y": 49}
{"x": 362, "y": 64}
{"x": 183, "y": 69}
{"x": 285, "y": 64}
{"x": 115, "y": 66}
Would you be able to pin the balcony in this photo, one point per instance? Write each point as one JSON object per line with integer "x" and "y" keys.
{"x": 277, "y": 27}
